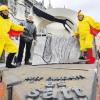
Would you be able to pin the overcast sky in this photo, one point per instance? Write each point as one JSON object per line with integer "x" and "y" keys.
{"x": 90, "y": 7}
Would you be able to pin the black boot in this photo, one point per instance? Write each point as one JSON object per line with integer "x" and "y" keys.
{"x": 82, "y": 56}
{"x": 28, "y": 63}
{"x": 9, "y": 61}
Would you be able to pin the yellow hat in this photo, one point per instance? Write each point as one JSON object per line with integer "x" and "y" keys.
{"x": 4, "y": 7}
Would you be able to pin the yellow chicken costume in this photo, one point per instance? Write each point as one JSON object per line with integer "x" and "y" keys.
{"x": 85, "y": 36}
{"x": 5, "y": 26}
{"x": 83, "y": 29}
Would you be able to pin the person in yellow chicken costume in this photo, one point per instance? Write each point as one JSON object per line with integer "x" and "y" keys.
{"x": 6, "y": 42}
{"x": 85, "y": 36}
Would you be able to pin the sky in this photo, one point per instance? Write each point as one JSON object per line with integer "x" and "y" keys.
{"x": 90, "y": 7}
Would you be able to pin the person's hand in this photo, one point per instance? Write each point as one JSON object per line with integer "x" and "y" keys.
{"x": 25, "y": 29}
{"x": 73, "y": 36}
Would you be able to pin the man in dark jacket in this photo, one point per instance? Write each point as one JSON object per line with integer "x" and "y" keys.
{"x": 26, "y": 39}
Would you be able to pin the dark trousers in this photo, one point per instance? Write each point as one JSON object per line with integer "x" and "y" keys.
{"x": 22, "y": 45}
{"x": 9, "y": 59}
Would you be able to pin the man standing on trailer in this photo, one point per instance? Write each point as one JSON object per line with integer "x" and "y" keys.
{"x": 26, "y": 40}
{"x": 6, "y": 43}
{"x": 85, "y": 36}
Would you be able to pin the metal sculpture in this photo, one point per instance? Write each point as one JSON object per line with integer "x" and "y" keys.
{"x": 47, "y": 16}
